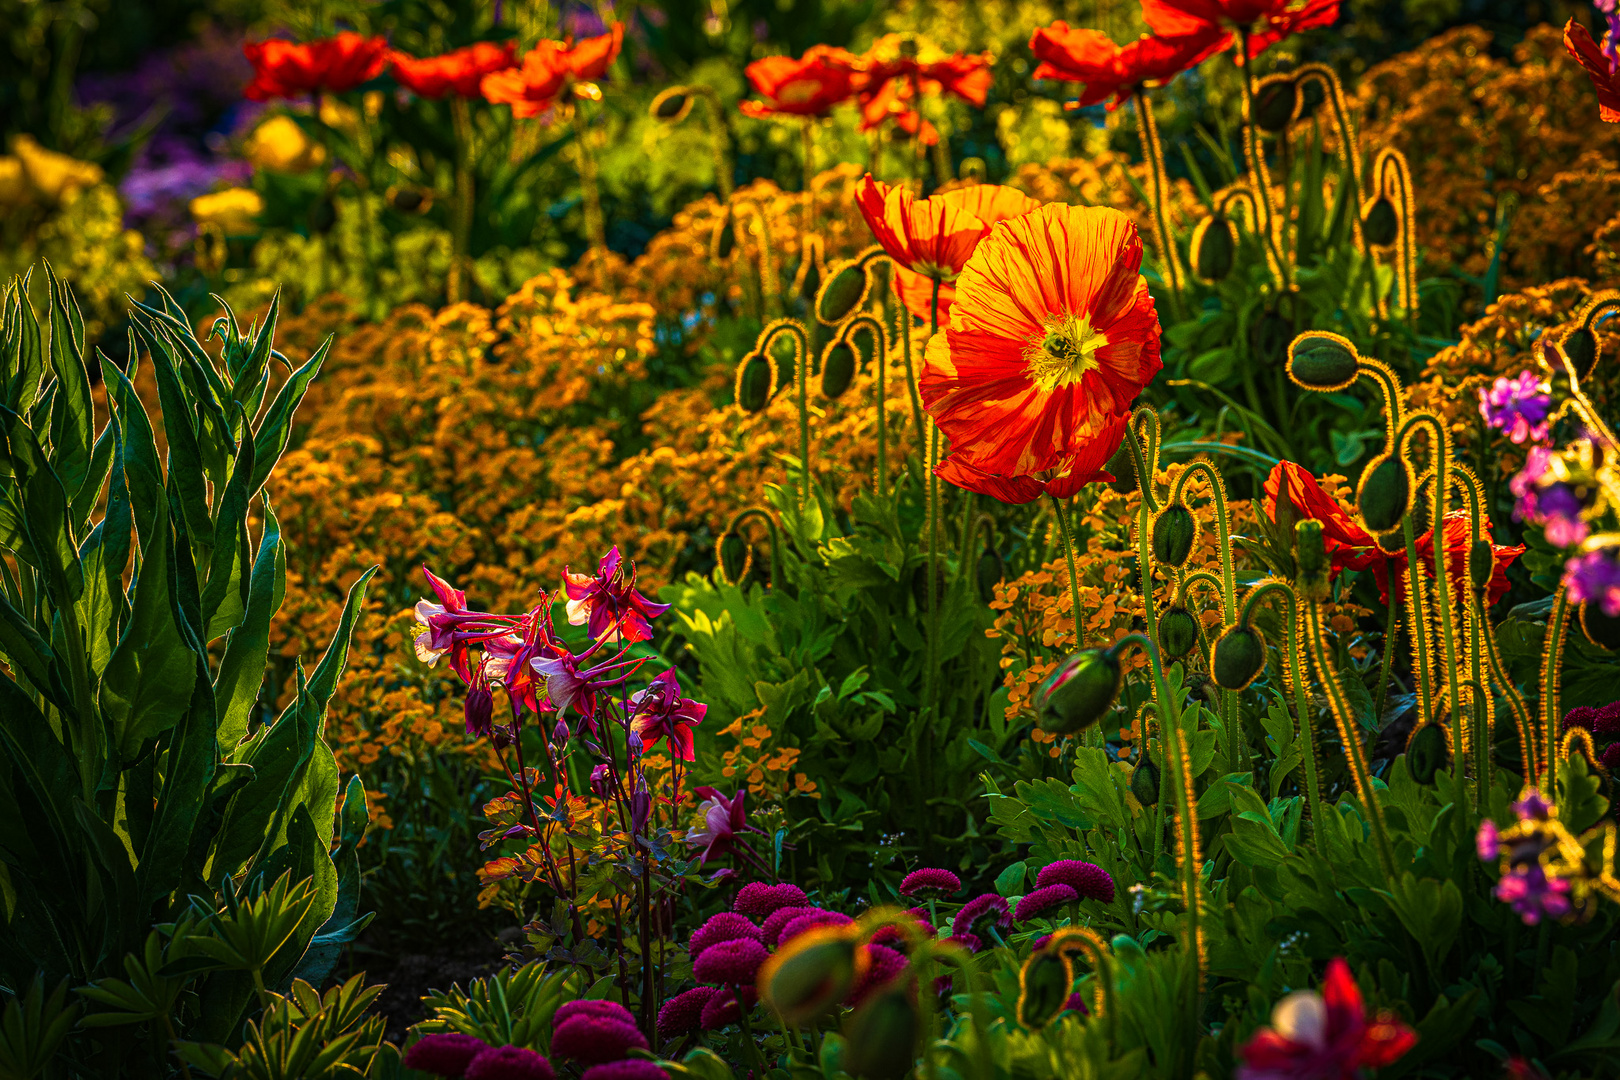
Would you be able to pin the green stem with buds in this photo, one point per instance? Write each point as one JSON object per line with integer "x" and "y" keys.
{"x": 1297, "y": 672}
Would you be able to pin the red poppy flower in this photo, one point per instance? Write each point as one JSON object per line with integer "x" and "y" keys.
{"x": 1604, "y": 78}
{"x": 1091, "y": 57}
{"x": 458, "y": 72}
{"x": 282, "y": 69}
{"x": 1324, "y": 1036}
{"x": 590, "y": 59}
{"x": 550, "y": 68}
{"x": 809, "y": 86}
{"x": 1458, "y": 534}
{"x": 895, "y": 100}
{"x": 1268, "y": 21}
{"x": 1052, "y": 336}
{"x": 898, "y": 69}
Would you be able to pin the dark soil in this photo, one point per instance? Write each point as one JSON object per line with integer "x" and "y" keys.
{"x": 410, "y": 975}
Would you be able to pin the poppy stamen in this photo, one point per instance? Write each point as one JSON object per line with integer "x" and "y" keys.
{"x": 1068, "y": 351}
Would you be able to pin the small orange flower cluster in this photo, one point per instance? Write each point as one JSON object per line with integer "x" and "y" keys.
{"x": 765, "y": 767}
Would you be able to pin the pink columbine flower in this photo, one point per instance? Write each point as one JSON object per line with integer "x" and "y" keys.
{"x": 608, "y": 603}
{"x": 723, "y": 821}
{"x": 1324, "y": 1036}
{"x": 659, "y": 712}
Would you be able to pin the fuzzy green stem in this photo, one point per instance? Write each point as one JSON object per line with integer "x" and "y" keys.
{"x": 1068, "y": 554}
{"x": 1297, "y": 672}
{"x": 1440, "y": 452}
{"x": 1417, "y": 609}
{"x": 1552, "y": 657}
{"x": 1148, "y": 133}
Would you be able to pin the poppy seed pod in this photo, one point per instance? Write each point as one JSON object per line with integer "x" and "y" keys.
{"x": 1145, "y": 782}
{"x": 1080, "y": 692}
{"x": 1426, "y": 752}
{"x": 1276, "y": 103}
{"x": 1214, "y": 248}
{"x": 1322, "y": 361}
{"x": 1238, "y": 658}
{"x": 1380, "y": 222}
{"x": 757, "y": 382}
{"x": 1310, "y": 559}
{"x": 1178, "y": 632}
{"x": 1481, "y": 563}
{"x": 1581, "y": 348}
{"x": 842, "y": 293}
{"x": 837, "y": 370}
{"x": 1043, "y": 987}
{"x": 1122, "y": 466}
{"x": 672, "y": 105}
{"x": 724, "y": 240}
{"x": 1601, "y": 629}
{"x": 1175, "y": 530}
{"x": 1384, "y": 495}
{"x": 812, "y": 973}
{"x": 881, "y": 1036}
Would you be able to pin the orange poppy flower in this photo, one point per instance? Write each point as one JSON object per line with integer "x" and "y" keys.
{"x": 1604, "y": 78}
{"x": 549, "y": 69}
{"x": 282, "y": 69}
{"x": 1052, "y": 336}
{"x": 1075, "y": 470}
{"x": 898, "y": 68}
{"x": 1268, "y": 21}
{"x": 590, "y": 59}
{"x": 894, "y": 100}
{"x": 809, "y": 86}
{"x": 1091, "y": 57}
{"x": 937, "y": 234}
{"x": 459, "y": 72}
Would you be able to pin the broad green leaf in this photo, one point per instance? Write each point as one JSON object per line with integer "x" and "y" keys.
{"x": 192, "y": 758}
{"x": 241, "y": 672}
{"x": 276, "y": 429}
{"x": 72, "y": 410}
{"x": 44, "y": 505}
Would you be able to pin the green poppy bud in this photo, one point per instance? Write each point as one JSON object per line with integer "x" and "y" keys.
{"x": 1080, "y": 692}
{"x": 1601, "y": 629}
{"x": 837, "y": 370}
{"x": 1321, "y": 361}
{"x": 992, "y": 569}
{"x": 1582, "y": 349}
{"x": 881, "y": 1036}
{"x": 811, "y": 974}
{"x": 842, "y": 293}
{"x": 1385, "y": 494}
{"x": 733, "y": 558}
{"x": 724, "y": 240}
{"x": 1381, "y": 223}
{"x": 1178, "y": 632}
{"x": 1426, "y": 752}
{"x": 1175, "y": 529}
{"x": 409, "y": 200}
{"x": 671, "y": 105}
{"x": 1481, "y": 563}
{"x": 1310, "y": 559}
{"x": 1145, "y": 782}
{"x": 1044, "y": 983}
{"x": 1238, "y": 658}
{"x": 1276, "y": 103}
{"x": 1214, "y": 248}
{"x": 785, "y": 354}
{"x": 756, "y": 382}
{"x": 1122, "y": 466}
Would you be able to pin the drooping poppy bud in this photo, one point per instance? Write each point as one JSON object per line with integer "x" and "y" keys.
{"x": 1426, "y": 752}
{"x": 757, "y": 382}
{"x": 1123, "y": 468}
{"x": 1214, "y": 248}
{"x": 1481, "y": 563}
{"x": 1385, "y": 494}
{"x": 733, "y": 558}
{"x": 1276, "y": 103}
{"x": 1321, "y": 361}
{"x": 1178, "y": 632}
{"x": 837, "y": 370}
{"x": 1175, "y": 530}
{"x": 1581, "y": 347}
{"x": 1080, "y": 692}
{"x": 1601, "y": 629}
{"x": 1145, "y": 782}
{"x": 1238, "y": 658}
{"x": 1270, "y": 335}
{"x": 812, "y": 973}
{"x": 671, "y": 105}
{"x": 809, "y": 283}
{"x": 1310, "y": 559}
{"x": 842, "y": 293}
{"x": 1380, "y": 222}
{"x": 1043, "y": 987}
{"x": 881, "y": 1036}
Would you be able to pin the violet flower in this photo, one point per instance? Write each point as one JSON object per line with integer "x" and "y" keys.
{"x": 1533, "y": 895}
{"x": 1520, "y": 407}
{"x": 608, "y": 603}
{"x": 1595, "y": 578}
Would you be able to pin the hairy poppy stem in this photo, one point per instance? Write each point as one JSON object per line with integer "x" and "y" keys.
{"x": 1552, "y": 657}
{"x": 1148, "y": 132}
{"x": 1068, "y": 553}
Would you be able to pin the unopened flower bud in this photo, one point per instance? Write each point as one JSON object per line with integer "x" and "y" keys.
{"x": 1310, "y": 559}
{"x": 672, "y": 105}
{"x": 601, "y": 782}
{"x": 633, "y": 743}
{"x": 757, "y": 380}
{"x": 1384, "y": 496}
{"x": 724, "y": 240}
{"x": 1145, "y": 782}
{"x": 1178, "y": 632}
{"x": 1080, "y": 692}
{"x": 881, "y": 1036}
{"x": 810, "y": 274}
{"x": 1318, "y": 360}
{"x": 640, "y": 807}
{"x": 837, "y": 370}
{"x": 1238, "y": 658}
{"x": 1043, "y": 987}
{"x": 812, "y": 973}
{"x": 1276, "y": 103}
{"x": 842, "y": 293}
{"x": 478, "y": 710}
{"x": 1426, "y": 752}
{"x": 560, "y": 734}
{"x": 1381, "y": 222}
{"x": 1122, "y": 467}
{"x": 1581, "y": 348}
{"x": 1481, "y": 563}
{"x": 1214, "y": 248}
{"x": 733, "y": 556}
{"x": 1175, "y": 530}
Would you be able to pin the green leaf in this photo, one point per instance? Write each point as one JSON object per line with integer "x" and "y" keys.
{"x": 187, "y": 483}
{"x": 241, "y": 672}
{"x": 223, "y": 599}
{"x": 39, "y": 493}
{"x": 72, "y": 410}
{"x": 193, "y": 757}
{"x": 276, "y": 428}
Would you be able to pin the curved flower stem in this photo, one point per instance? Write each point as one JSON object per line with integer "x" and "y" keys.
{"x": 881, "y": 345}
{"x": 1552, "y": 657}
{"x": 1388, "y": 662}
{"x": 1149, "y": 505}
{"x": 1478, "y": 628}
{"x": 1297, "y": 674}
{"x": 808, "y": 143}
{"x": 1236, "y": 747}
{"x": 1349, "y": 147}
{"x": 801, "y": 368}
{"x": 719, "y": 140}
{"x": 1345, "y": 719}
{"x": 460, "y": 236}
{"x": 770, "y": 525}
{"x": 931, "y": 465}
{"x": 1090, "y": 943}
{"x": 1417, "y": 623}
{"x": 1440, "y": 453}
{"x": 1259, "y": 176}
{"x": 1148, "y": 132}
{"x": 1068, "y": 553}
{"x": 904, "y": 320}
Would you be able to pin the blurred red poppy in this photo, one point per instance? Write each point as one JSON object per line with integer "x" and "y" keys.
{"x": 1267, "y": 21}
{"x": 1324, "y": 1036}
{"x": 809, "y": 86}
{"x": 551, "y": 68}
{"x": 459, "y": 72}
{"x": 283, "y": 69}
{"x": 1106, "y": 70}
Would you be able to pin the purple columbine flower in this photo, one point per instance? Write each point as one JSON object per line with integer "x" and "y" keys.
{"x": 1520, "y": 407}
{"x": 1594, "y": 577}
{"x": 1533, "y": 895}
{"x": 1559, "y": 509}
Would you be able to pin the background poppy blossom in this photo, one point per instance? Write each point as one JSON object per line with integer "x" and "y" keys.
{"x": 1267, "y": 21}
{"x": 1052, "y": 336}
{"x": 1324, "y": 1036}
{"x": 459, "y": 72}
{"x": 1091, "y": 58}
{"x": 933, "y": 238}
{"x": 809, "y": 86}
{"x": 284, "y": 69}
{"x": 549, "y": 69}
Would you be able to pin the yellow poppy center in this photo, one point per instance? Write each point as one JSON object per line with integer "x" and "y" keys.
{"x": 1066, "y": 353}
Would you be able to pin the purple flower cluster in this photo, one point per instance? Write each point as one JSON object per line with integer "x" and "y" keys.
{"x": 449, "y": 1053}
{"x": 1610, "y": 10}
{"x": 1594, "y": 577}
{"x": 1520, "y": 407}
{"x": 1547, "y": 502}
{"x": 1527, "y": 851}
